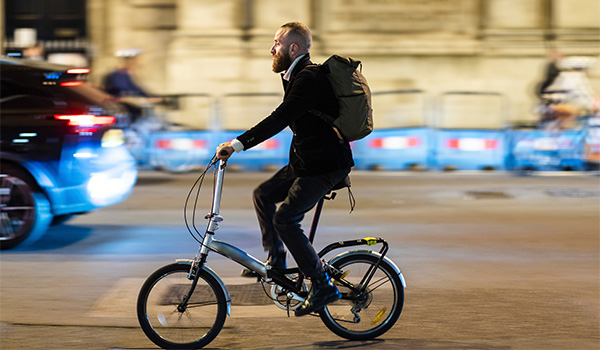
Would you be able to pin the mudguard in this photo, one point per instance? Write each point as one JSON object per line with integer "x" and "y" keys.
{"x": 372, "y": 253}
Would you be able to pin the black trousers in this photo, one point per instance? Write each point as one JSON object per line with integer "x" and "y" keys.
{"x": 281, "y": 225}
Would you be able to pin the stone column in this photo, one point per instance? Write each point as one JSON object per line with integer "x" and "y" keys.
{"x": 576, "y": 25}
{"x": 207, "y": 47}
{"x": 390, "y": 27}
{"x": 2, "y": 34}
{"x": 141, "y": 24}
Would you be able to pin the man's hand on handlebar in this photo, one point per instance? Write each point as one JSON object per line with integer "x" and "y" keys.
{"x": 224, "y": 151}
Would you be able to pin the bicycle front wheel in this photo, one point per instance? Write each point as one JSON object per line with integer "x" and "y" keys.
{"x": 172, "y": 324}
{"x": 366, "y": 310}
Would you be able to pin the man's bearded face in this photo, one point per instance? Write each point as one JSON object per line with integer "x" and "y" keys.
{"x": 282, "y": 60}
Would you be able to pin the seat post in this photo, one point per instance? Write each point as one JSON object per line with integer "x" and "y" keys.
{"x": 329, "y": 195}
{"x": 315, "y": 222}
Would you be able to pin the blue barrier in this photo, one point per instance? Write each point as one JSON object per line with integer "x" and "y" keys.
{"x": 470, "y": 149}
{"x": 270, "y": 154}
{"x": 180, "y": 151}
{"x": 547, "y": 150}
{"x": 457, "y": 138}
{"x": 592, "y": 147}
{"x": 468, "y": 133}
{"x": 397, "y": 149}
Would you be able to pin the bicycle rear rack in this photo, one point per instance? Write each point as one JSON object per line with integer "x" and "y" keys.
{"x": 363, "y": 241}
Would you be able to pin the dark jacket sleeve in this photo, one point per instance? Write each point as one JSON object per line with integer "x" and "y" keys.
{"x": 316, "y": 148}
{"x": 299, "y": 98}
{"x": 120, "y": 83}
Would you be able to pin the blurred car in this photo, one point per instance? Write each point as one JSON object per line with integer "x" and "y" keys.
{"x": 61, "y": 150}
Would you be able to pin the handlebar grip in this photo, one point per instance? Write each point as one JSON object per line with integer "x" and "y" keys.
{"x": 223, "y": 153}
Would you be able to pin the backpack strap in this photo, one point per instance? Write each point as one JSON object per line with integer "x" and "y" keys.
{"x": 324, "y": 69}
{"x": 326, "y": 117}
{"x": 329, "y": 120}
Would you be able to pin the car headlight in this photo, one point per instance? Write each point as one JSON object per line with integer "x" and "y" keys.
{"x": 113, "y": 138}
{"x": 105, "y": 189}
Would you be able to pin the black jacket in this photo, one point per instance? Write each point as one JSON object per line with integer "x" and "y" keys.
{"x": 316, "y": 147}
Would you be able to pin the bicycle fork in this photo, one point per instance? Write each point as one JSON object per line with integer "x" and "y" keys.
{"x": 195, "y": 274}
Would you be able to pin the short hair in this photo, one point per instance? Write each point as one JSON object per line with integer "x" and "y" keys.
{"x": 300, "y": 31}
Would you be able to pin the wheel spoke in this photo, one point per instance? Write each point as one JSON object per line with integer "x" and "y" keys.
{"x": 385, "y": 280}
{"x": 365, "y": 311}
{"x": 192, "y": 326}
{"x": 205, "y": 303}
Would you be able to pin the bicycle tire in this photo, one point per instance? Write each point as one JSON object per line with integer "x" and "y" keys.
{"x": 164, "y": 324}
{"x": 379, "y": 307}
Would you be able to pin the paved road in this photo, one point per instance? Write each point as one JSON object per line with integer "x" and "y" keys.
{"x": 492, "y": 261}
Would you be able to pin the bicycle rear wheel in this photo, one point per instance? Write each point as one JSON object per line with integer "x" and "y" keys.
{"x": 372, "y": 312}
{"x": 171, "y": 325}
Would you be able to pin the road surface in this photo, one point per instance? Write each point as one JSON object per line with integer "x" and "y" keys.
{"x": 492, "y": 261}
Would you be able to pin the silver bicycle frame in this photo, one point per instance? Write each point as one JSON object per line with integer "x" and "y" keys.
{"x": 223, "y": 248}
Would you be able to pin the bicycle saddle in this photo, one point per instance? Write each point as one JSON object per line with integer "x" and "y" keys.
{"x": 344, "y": 183}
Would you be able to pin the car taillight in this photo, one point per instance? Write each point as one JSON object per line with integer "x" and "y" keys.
{"x": 71, "y": 83}
{"x": 78, "y": 71}
{"x": 76, "y": 77}
{"x": 86, "y": 120}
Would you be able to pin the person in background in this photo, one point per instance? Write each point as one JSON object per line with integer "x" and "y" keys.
{"x": 121, "y": 84}
{"x": 551, "y": 72}
{"x": 35, "y": 52}
{"x": 570, "y": 99}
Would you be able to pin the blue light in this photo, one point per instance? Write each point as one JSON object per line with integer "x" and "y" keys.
{"x": 53, "y": 75}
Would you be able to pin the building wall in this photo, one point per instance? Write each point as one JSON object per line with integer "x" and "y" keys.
{"x": 221, "y": 47}
{"x": 2, "y": 34}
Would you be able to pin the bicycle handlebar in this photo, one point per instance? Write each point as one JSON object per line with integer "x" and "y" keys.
{"x": 223, "y": 153}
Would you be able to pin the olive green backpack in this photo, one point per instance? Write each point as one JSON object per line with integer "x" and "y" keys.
{"x": 352, "y": 91}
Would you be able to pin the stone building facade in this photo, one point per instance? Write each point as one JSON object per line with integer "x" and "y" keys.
{"x": 221, "y": 47}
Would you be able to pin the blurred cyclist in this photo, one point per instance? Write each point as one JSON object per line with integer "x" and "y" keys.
{"x": 120, "y": 84}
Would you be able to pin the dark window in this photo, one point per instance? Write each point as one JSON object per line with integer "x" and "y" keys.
{"x": 53, "y": 20}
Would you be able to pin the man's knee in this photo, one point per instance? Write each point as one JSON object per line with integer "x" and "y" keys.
{"x": 283, "y": 223}
{"x": 258, "y": 196}
{"x": 279, "y": 222}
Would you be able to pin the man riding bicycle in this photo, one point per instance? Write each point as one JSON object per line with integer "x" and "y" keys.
{"x": 319, "y": 159}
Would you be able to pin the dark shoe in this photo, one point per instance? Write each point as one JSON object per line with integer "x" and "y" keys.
{"x": 275, "y": 261}
{"x": 322, "y": 293}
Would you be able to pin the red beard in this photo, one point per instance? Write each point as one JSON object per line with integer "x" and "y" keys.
{"x": 281, "y": 62}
